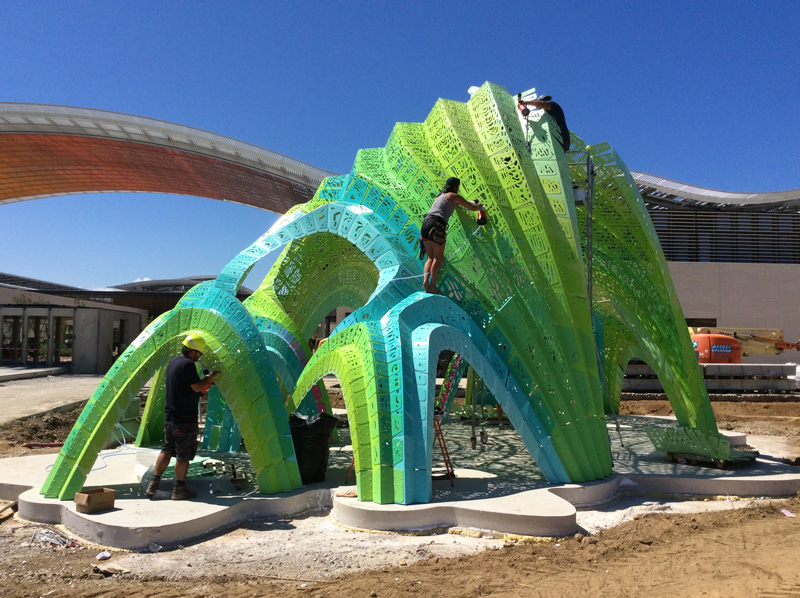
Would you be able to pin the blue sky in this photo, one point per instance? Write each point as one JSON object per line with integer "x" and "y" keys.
{"x": 700, "y": 92}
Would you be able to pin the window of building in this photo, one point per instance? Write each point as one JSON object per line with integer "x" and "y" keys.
{"x": 37, "y": 340}
{"x": 11, "y": 340}
{"x": 63, "y": 340}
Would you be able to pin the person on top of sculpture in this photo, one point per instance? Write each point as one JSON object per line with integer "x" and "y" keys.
{"x": 433, "y": 233}
{"x": 184, "y": 389}
{"x": 552, "y": 108}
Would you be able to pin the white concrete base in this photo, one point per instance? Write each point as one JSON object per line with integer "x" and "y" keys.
{"x": 7, "y": 374}
{"x": 494, "y": 499}
{"x": 136, "y": 523}
{"x": 529, "y": 513}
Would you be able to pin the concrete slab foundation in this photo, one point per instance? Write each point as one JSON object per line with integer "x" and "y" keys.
{"x": 497, "y": 488}
{"x": 9, "y": 373}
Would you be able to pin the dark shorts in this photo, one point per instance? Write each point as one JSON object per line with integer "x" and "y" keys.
{"x": 433, "y": 229}
{"x": 180, "y": 441}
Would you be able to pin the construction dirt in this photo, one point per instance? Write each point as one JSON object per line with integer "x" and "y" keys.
{"x": 637, "y": 546}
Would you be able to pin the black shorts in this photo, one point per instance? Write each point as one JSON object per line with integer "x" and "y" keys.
{"x": 180, "y": 441}
{"x": 433, "y": 229}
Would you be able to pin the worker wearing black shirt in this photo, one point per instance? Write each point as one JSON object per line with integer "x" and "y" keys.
{"x": 553, "y": 109}
{"x": 184, "y": 389}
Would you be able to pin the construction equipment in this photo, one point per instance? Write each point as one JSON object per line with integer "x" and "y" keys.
{"x": 729, "y": 345}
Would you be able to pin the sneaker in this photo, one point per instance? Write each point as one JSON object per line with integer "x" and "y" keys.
{"x": 152, "y": 487}
{"x": 182, "y": 493}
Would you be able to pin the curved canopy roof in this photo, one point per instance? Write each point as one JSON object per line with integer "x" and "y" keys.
{"x": 665, "y": 193}
{"x": 48, "y": 150}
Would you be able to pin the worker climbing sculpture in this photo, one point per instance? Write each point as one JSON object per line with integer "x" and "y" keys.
{"x": 513, "y": 306}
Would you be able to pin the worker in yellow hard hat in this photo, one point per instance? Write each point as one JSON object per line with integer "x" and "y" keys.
{"x": 184, "y": 389}
{"x": 195, "y": 342}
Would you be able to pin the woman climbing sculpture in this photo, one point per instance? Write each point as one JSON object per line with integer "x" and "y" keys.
{"x": 433, "y": 233}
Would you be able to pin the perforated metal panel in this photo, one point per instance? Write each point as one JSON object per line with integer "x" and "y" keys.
{"x": 515, "y": 308}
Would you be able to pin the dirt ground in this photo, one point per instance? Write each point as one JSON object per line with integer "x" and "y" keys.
{"x": 634, "y": 547}
{"x": 53, "y": 427}
{"x": 745, "y": 552}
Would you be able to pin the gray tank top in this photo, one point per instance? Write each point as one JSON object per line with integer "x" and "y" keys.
{"x": 442, "y": 208}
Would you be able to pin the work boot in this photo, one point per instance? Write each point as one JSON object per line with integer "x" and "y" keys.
{"x": 152, "y": 487}
{"x": 182, "y": 492}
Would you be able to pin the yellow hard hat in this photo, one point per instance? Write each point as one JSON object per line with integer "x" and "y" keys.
{"x": 195, "y": 343}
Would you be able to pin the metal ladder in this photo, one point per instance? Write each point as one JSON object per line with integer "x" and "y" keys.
{"x": 448, "y": 465}
{"x": 437, "y": 430}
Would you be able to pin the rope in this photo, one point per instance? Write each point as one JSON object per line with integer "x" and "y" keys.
{"x": 122, "y": 449}
{"x": 408, "y": 277}
{"x": 460, "y": 247}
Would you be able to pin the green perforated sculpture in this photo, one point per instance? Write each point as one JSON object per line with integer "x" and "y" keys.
{"x": 515, "y": 308}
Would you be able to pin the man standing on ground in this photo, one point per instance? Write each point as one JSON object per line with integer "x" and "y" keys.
{"x": 184, "y": 388}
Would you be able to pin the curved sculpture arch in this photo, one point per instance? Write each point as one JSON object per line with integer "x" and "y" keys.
{"x": 276, "y": 469}
{"x": 516, "y": 305}
{"x": 257, "y": 405}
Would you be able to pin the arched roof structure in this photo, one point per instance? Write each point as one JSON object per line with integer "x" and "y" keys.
{"x": 659, "y": 192}
{"x": 48, "y": 150}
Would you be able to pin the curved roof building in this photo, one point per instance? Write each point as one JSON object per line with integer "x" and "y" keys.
{"x": 665, "y": 193}
{"x": 48, "y": 150}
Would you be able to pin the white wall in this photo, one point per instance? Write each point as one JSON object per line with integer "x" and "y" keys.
{"x": 743, "y": 296}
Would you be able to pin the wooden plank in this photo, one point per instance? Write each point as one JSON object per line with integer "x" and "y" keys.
{"x": 747, "y": 370}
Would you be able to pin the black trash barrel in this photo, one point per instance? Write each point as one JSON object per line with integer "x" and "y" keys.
{"x": 311, "y": 438}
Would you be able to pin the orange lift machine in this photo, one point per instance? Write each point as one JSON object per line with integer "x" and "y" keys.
{"x": 729, "y": 345}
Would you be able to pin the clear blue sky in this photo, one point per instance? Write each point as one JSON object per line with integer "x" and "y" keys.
{"x": 701, "y": 92}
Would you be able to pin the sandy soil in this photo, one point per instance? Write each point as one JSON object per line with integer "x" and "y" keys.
{"x": 636, "y": 546}
{"x": 745, "y": 552}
